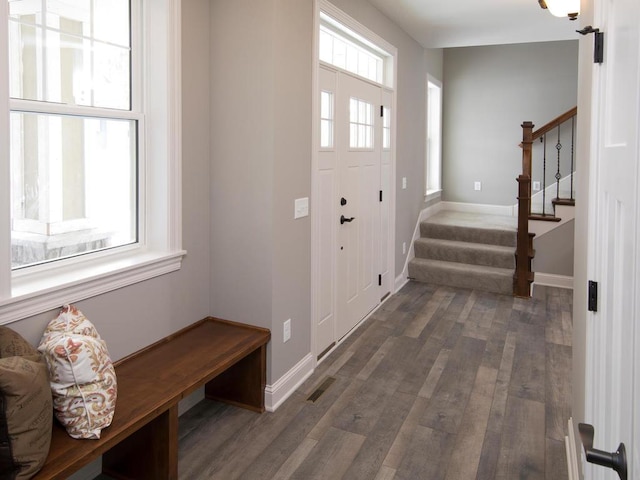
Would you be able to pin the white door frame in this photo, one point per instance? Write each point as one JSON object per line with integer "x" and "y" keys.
{"x": 325, "y": 6}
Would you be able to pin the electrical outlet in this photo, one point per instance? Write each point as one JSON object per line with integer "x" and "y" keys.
{"x": 404, "y": 247}
{"x": 536, "y": 186}
{"x": 477, "y": 186}
{"x": 286, "y": 331}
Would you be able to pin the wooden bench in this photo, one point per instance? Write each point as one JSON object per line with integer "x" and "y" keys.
{"x": 228, "y": 358}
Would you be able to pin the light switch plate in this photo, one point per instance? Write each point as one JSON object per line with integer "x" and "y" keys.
{"x": 536, "y": 186}
{"x": 286, "y": 331}
{"x": 404, "y": 182}
{"x": 301, "y": 207}
{"x": 477, "y": 186}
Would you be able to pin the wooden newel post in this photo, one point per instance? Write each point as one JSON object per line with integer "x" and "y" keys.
{"x": 524, "y": 249}
{"x": 527, "y": 151}
{"x": 527, "y": 141}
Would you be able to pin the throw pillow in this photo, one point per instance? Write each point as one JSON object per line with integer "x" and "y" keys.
{"x": 82, "y": 377}
{"x": 25, "y": 407}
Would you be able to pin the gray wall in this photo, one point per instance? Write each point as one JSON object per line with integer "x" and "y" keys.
{"x": 554, "y": 251}
{"x": 132, "y": 317}
{"x": 261, "y": 162}
{"x": 488, "y": 92}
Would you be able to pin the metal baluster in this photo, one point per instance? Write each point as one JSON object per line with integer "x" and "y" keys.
{"x": 558, "y": 176}
{"x": 544, "y": 173}
{"x": 573, "y": 133}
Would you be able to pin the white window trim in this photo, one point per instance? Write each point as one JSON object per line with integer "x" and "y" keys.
{"x": 37, "y": 290}
{"x": 430, "y": 192}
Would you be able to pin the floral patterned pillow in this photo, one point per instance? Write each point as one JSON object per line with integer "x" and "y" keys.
{"x": 81, "y": 375}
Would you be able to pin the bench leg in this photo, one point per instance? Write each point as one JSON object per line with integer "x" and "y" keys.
{"x": 243, "y": 383}
{"x": 150, "y": 453}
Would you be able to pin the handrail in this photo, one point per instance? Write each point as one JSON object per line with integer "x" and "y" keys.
{"x": 523, "y": 275}
{"x": 554, "y": 123}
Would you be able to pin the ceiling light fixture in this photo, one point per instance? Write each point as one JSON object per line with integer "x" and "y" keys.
{"x": 562, "y": 8}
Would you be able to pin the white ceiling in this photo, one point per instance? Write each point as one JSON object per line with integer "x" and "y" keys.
{"x": 461, "y": 23}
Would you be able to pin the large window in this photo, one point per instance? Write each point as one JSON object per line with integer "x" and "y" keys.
{"x": 92, "y": 195}
{"x": 434, "y": 138}
{"x": 74, "y": 129}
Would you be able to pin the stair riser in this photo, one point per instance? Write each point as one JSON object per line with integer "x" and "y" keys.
{"x": 471, "y": 255}
{"x": 487, "y": 282}
{"x": 465, "y": 234}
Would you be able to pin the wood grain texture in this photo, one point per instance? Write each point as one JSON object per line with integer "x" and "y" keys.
{"x": 440, "y": 383}
{"x": 151, "y": 382}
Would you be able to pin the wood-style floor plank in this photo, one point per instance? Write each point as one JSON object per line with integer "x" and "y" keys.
{"x": 439, "y": 383}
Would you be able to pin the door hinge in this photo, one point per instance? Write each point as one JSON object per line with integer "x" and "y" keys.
{"x": 593, "y": 296}
{"x": 379, "y": 280}
{"x": 598, "y": 42}
{"x": 380, "y": 195}
{"x": 382, "y": 110}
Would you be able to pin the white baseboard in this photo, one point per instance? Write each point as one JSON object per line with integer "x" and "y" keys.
{"x": 507, "y": 210}
{"x": 276, "y": 394}
{"x": 401, "y": 281}
{"x": 572, "y": 457}
{"x": 551, "y": 280}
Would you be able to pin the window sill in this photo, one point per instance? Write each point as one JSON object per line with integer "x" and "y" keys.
{"x": 36, "y": 293}
{"x": 432, "y": 195}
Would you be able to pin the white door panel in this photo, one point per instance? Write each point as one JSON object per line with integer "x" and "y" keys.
{"x": 359, "y": 150}
{"x": 613, "y": 374}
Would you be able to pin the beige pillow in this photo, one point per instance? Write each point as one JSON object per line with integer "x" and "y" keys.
{"x": 25, "y": 407}
{"x": 82, "y": 377}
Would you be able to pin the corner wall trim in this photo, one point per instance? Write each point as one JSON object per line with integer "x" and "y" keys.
{"x": 276, "y": 394}
{"x": 551, "y": 280}
{"x": 572, "y": 457}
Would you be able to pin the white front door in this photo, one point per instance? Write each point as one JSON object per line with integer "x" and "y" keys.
{"x": 358, "y": 141}
{"x": 613, "y": 338}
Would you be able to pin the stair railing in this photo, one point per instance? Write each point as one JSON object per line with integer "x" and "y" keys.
{"x": 523, "y": 276}
{"x": 559, "y": 163}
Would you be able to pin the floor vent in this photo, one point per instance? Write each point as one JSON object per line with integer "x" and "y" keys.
{"x": 324, "y": 386}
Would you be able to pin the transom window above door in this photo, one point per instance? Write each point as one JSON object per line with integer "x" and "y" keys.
{"x": 345, "y": 49}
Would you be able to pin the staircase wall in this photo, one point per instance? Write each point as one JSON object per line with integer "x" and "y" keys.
{"x": 554, "y": 251}
{"x": 488, "y": 92}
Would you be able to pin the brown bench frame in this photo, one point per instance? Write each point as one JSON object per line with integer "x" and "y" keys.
{"x": 228, "y": 358}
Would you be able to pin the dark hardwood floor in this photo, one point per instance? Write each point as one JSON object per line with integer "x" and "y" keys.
{"x": 440, "y": 383}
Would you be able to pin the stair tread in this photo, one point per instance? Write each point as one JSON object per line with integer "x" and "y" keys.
{"x": 463, "y": 267}
{"x": 470, "y": 245}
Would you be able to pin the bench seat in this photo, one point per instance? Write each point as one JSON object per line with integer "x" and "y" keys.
{"x": 228, "y": 358}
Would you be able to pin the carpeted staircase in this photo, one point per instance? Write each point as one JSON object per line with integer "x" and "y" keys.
{"x": 466, "y": 250}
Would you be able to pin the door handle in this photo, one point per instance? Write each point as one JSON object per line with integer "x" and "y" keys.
{"x": 344, "y": 219}
{"x": 616, "y": 460}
